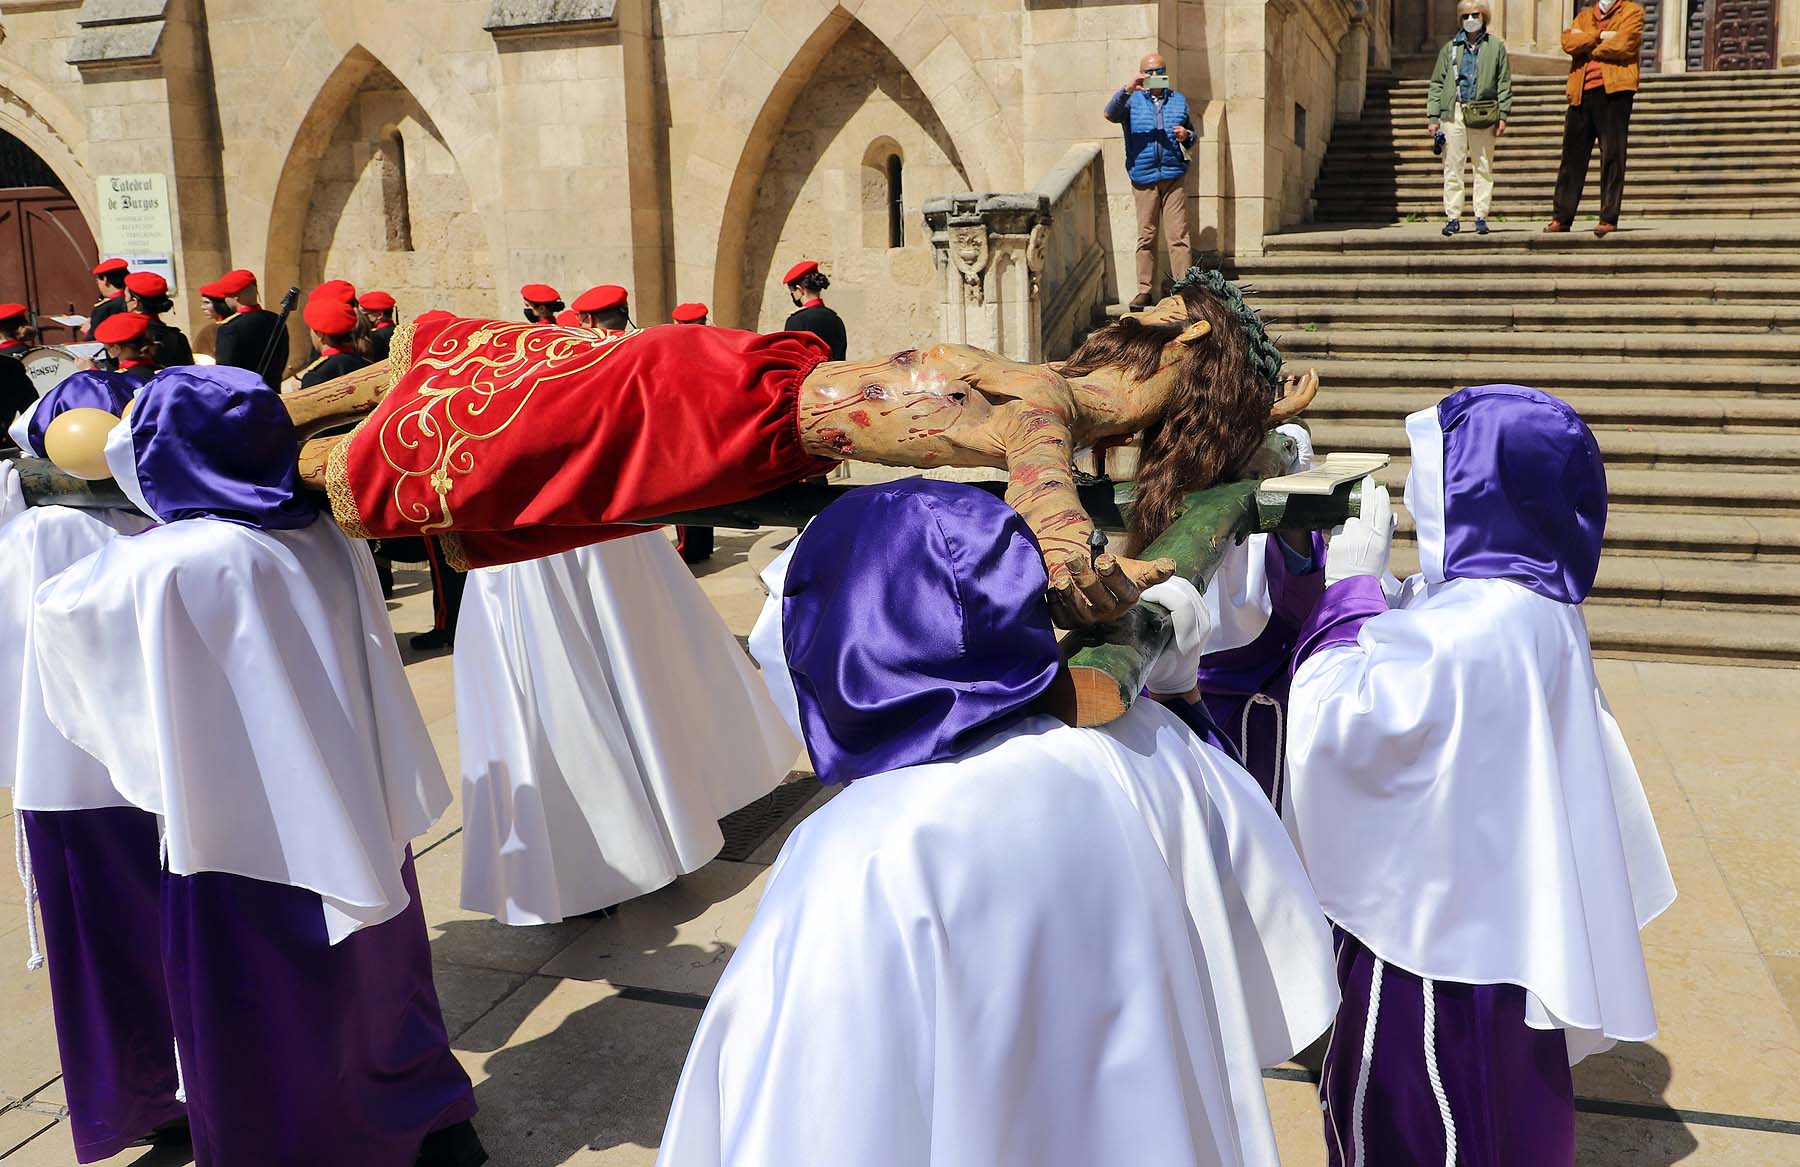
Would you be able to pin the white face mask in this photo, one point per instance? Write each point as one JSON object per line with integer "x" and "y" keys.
{"x": 1472, "y": 24}
{"x": 1608, "y": 5}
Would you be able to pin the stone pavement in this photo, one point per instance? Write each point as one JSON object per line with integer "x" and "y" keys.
{"x": 575, "y": 1033}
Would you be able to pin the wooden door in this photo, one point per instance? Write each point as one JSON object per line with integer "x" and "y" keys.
{"x": 1740, "y": 34}
{"x": 47, "y": 255}
{"x": 1650, "y": 54}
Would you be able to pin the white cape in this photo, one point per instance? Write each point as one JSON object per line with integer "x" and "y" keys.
{"x": 244, "y": 684}
{"x": 1468, "y": 809}
{"x": 607, "y": 721}
{"x": 44, "y": 770}
{"x": 986, "y": 962}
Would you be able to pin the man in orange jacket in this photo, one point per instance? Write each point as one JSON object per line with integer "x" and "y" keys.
{"x": 1603, "y": 46}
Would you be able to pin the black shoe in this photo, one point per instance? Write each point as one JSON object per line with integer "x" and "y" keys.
{"x": 174, "y": 1133}
{"x": 1481, "y": 226}
{"x": 1451, "y": 228}
{"x": 432, "y": 641}
{"x": 1138, "y": 305}
{"x": 454, "y": 1146}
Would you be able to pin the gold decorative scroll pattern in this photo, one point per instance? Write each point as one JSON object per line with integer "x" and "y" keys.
{"x": 467, "y": 388}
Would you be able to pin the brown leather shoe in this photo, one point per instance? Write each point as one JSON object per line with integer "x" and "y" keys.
{"x": 1555, "y": 227}
{"x": 1602, "y": 230}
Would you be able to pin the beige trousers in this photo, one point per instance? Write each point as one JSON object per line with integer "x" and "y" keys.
{"x": 1460, "y": 142}
{"x": 1165, "y": 204}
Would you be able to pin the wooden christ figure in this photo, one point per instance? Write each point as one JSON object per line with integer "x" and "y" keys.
{"x": 512, "y": 441}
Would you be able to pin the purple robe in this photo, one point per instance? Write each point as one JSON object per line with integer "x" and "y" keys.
{"x": 1508, "y": 1096}
{"x": 98, "y": 875}
{"x": 1258, "y": 672}
{"x": 296, "y": 1052}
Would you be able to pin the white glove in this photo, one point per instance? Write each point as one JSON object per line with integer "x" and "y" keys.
{"x": 1178, "y": 668}
{"x": 12, "y": 495}
{"x": 1361, "y": 545}
{"x": 1304, "y": 458}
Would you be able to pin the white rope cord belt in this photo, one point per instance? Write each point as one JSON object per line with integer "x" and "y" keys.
{"x": 1280, "y": 741}
{"x": 28, "y": 881}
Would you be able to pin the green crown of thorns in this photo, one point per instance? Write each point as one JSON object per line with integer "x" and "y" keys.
{"x": 1265, "y": 357}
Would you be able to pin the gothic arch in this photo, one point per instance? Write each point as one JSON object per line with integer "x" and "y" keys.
{"x": 29, "y": 113}
{"x": 760, "y": 84}
{"x": 342, "y": 208}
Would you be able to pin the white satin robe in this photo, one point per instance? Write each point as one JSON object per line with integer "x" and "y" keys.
{"x": 607, "y": 720}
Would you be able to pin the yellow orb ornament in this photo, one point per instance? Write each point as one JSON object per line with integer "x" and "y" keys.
{"x": 76, "y": 441}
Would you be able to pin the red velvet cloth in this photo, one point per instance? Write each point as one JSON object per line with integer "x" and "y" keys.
{"x": 514, "y": 441}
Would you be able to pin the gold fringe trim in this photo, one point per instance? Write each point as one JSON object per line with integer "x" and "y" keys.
{"x": 337, "y": 486}
{"x": 451, "y": 544}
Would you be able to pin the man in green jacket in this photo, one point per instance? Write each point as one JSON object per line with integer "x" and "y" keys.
{"x": 1469, "y": 102}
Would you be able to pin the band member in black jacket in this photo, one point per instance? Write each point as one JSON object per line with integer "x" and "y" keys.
{"x": 333, "y": 323}
{"x": 147, "y": 294}
{"x": 109, "y": 281}
{"x": 244, "y": 335}
{"x": 807, "y": 284}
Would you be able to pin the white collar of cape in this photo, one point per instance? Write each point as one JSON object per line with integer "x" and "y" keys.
{"x": 311, "y": 699}
{"x": 1464, "y": 799}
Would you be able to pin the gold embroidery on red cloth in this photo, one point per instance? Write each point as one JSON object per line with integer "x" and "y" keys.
{"x": 466, "y": 389}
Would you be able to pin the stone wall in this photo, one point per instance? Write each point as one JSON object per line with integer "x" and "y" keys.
{"x": 389, "y": 208}
{"x": 824, "y": 196}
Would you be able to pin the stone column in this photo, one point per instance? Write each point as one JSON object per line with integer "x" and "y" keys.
{"x": 990, "y": 250}
{"x": 1353, "y": 67}
{"x": 1787, "y": 33}
{"x": 148, "y": 96}
{"x": 579, "y": 140}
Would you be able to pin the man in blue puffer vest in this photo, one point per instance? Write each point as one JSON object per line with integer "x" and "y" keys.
{"x": 1157, "y": 134}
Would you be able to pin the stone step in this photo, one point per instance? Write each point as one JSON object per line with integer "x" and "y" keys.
{"x": 1531, "y": 190}
{"x": 1427, "y": 290}
{"x": 1647, "y": 582}
{"x": 1699, "y": 636}
{"x": 1604, "y": 410}
{"x": 1734, "y": 81}
{"x": 1739, "y": 319}
{"x": 1488, "y": 258}
{"x": 1482, "y": 342}
{"x": 1769, "y": 539}
{"x": 1558, "y": 376}
{"x": 1725, "y": 121}
{"x": 1538, "y": 206}
{"x": 1661, "y": 491}
{"x": 1674, "y": 238}
{"x": 1538, "y": 165}
{"x": 1767, "y": 457}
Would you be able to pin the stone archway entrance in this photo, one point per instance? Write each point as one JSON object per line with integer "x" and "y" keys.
{"x": 47, "y": 252}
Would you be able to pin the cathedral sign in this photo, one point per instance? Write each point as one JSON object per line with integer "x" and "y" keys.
{"x": 135, "y": 224}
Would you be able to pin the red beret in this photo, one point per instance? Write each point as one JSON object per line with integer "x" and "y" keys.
{"x": 569, "y": 318}
{"x": 600, "y": 299}
{"x": 108, "y": 266}
{"x": 376, "y": 301}
{"x": 329, "y": 317}
{"x": 433, "y": 314}
{"x": 691, "y": 313}
{"x": 147, "y": 283}
{"x": 229, "y": 284}
{"x": 340, "y": 291}
{"x": 121, "y": 327}
{"x": 539, "y": 294}
{"x": 804, "y": 268}
{"x": 8, "y": 311}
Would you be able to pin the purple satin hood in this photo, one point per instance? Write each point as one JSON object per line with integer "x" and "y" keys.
{"x": 87, "y": 389}
{"x": 212, "y": 441}
{"x": 1508, "y": 483}
{"x": 915, "y": 624}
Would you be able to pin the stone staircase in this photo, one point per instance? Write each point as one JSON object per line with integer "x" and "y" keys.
{"x": 1676, "y": 338}
{"x": 1703, "y": 145}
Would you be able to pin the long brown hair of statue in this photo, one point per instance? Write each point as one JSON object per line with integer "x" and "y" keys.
{"x": 1216, "y": 417}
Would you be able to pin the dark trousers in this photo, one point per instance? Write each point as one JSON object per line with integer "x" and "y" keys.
{"x": 1606, "y": 117}
{"x": 446, "y": 587}
{"x": 694, "y": 544}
